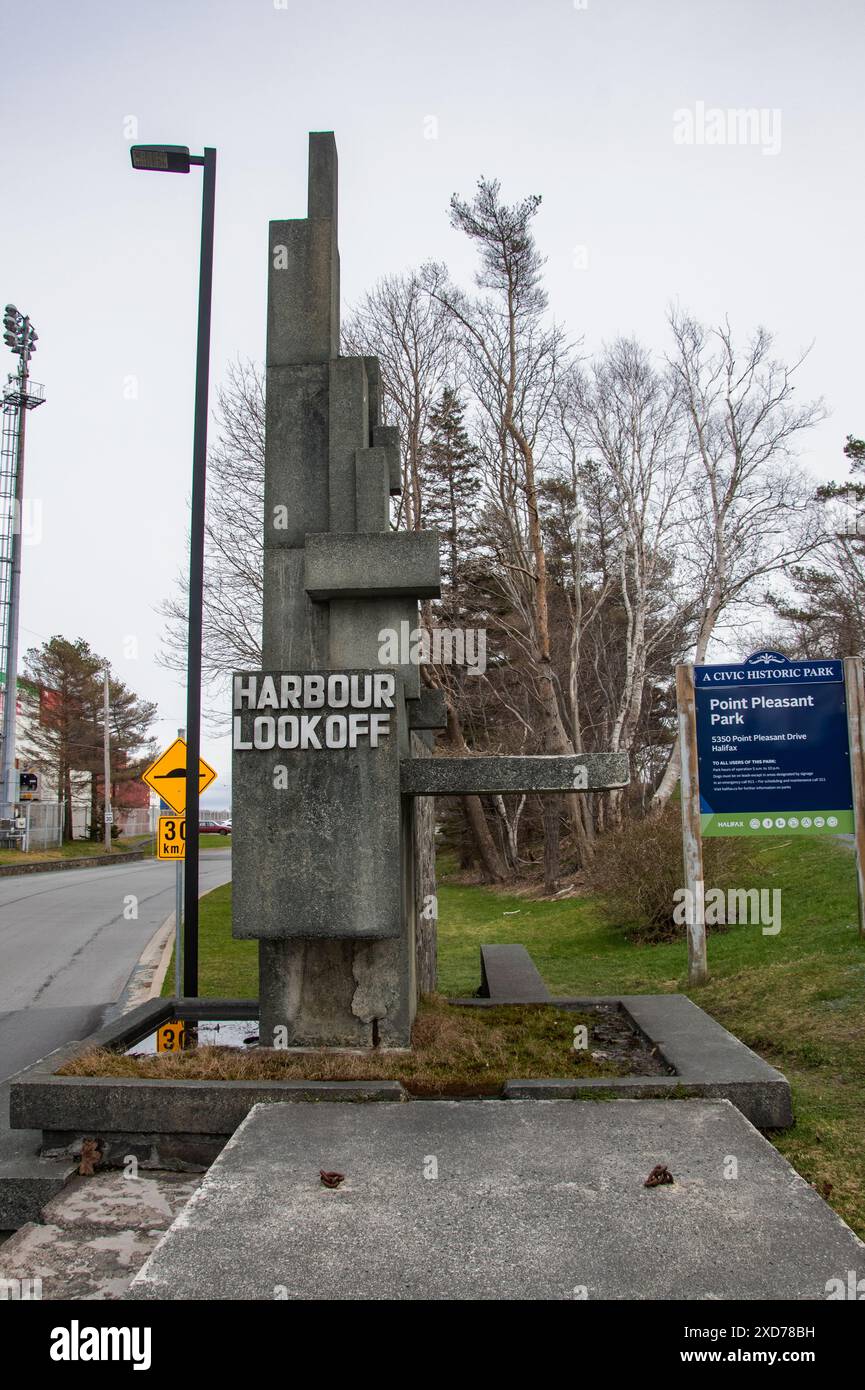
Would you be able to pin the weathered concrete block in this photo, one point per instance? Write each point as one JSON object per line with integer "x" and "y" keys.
{"x": 98, "y": 1106}
{"x": 322, "y": 197}
{"x": 428, "y": 711}
{"x": 373, "y": 382}
{"x": 372, "y": 488}
{"x": 355, "y": 640}
{"x": 468, "y": 776}
{"x": 303, "y": 268}
{"x": 28, "y": 1179}
{"x": 296, "y": 498}
{"x": 509, "y": 975}
{"x": 373, "y": 566}
{"x": 704, "y": 1053}
{"x": 387, "y": 437}
{"x": 294, "y": 629}
{"x": 303, "y": 292}
{"x": 349, "y": 432}
{"x": 302, "y": 768}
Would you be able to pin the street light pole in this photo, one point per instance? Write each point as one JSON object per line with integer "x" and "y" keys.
{"x": 196, "y": 577}
{"x": 176, "y": 159}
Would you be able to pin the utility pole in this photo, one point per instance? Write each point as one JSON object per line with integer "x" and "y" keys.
{"x": 106, "y": 776}
{"x": 20, "y": 336}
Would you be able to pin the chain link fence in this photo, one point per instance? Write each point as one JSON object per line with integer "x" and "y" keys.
{"x": 43, "y": 827}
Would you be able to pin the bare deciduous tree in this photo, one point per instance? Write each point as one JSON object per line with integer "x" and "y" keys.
{"x": 512, "y": 355}
{"x": 751, "y": 515}
{"x": 627, "y": 416}
{"x": 234, "y": 548}
{"x": 411, "y": 335}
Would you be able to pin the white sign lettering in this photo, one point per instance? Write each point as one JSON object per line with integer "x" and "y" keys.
{"x": 367, "y": 698}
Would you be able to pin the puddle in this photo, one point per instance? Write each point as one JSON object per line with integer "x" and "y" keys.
{"x": 223, "y": 1032}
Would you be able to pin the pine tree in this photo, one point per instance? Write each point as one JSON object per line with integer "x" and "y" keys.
{"x": 450, "y": 491}
{"x": 826, "y": 615}
{"x": 68, "y": 735}
{"x": 65, "y": 736}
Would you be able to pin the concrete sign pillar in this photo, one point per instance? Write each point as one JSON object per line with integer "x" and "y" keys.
{"x": 322, "y": 860}
{"x": 324, "y": 773}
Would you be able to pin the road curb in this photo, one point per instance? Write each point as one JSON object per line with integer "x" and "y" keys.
{"x": 48, "y": 866}
{"x": 161, "y": 971}
{"x": 147, "y": 977}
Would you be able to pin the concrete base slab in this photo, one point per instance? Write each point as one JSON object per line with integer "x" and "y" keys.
{"x": 27, "y": 1180}
{"x": 95, "y": 1234}
{"x": 501, "y": 1200}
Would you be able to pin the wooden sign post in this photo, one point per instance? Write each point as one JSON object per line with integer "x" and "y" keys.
{"x": 855, "y": 687}
{"x": 692, "y": 839}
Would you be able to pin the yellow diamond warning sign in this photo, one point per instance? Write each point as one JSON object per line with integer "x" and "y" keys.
{"x": 171, "y": 840}
{"x": 167, "y": 776}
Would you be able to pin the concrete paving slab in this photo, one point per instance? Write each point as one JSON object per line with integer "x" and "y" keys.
{"x": 27, "y": 1180}
{"x": 95, "y": 1234}
{"x": 501, "y": 1200}
{"x": 509, "y": 975}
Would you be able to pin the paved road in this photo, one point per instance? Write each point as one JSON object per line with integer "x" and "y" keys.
{"x": 67, "y": 951}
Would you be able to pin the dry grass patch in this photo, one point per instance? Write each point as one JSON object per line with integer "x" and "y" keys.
{"x": 454, "y": 1052}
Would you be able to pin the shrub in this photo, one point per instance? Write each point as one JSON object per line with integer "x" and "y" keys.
{"x": 637, "y": 868}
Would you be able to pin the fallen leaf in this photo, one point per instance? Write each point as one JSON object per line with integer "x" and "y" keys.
{"x": 659, "y": 1176}
{"x": 90, "y": 1156}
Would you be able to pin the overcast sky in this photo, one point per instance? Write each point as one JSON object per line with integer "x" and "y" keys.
{"x": 572, "y": 101}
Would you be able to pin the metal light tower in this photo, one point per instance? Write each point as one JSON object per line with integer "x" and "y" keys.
{"x": 19, "y": 396}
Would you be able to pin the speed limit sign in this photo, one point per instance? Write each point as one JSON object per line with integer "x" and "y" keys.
{"x": 170, "y": 1037}
{"x": 171, "y": 840}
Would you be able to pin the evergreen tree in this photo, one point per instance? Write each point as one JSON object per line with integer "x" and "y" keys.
{"x": 826, "y": 615}
{"x": 450, "y": 492}
{"x": 64, "y": 736}
{"x": 68, "y": 735}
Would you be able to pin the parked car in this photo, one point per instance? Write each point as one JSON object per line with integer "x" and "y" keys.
{"x": 214, "y": 827}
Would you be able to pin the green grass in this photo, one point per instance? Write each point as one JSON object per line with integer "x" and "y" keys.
{"x": 796, "y": 998}
{"x": 226, "y": 968}
{"x": 214, "y": 842}
{"x": 78, "y": 849}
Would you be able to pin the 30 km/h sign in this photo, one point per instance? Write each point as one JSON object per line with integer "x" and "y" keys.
{"x": 171, "y": 840}
{"x": 167, "y": 776}
{"x": 170, "y": 1037}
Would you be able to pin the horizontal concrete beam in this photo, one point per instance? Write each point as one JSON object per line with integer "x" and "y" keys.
{"x": 372, "y": 565}
{"x": 477, "y": 776}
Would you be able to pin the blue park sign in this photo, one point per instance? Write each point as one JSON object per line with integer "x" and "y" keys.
{"x": 773, "y": 747}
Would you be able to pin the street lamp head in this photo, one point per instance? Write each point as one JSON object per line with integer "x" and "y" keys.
{"x": 165, "y": 159}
